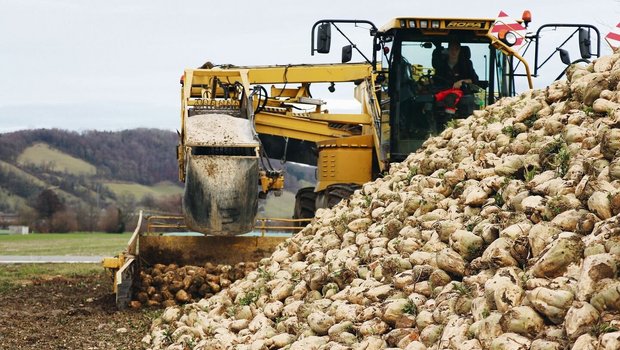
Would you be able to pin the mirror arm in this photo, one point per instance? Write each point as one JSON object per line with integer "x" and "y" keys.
{"x": 563, "y": 25}
{"x": 373, "y": 31}
{"x": 350, "y": 42}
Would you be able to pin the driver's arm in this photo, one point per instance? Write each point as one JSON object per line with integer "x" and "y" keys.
{"x": 470, "y": 74}
{"x": 457, "y": 84}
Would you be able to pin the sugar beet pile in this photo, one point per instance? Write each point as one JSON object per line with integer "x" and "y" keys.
{"x": 500, "y": 233}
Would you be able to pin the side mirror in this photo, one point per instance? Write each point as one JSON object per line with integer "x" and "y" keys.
{"x": 324, "y": 38}
{"x": 347, "y": 53}
{"x": 564, "y": 56}
{"x": 584, "y": 43}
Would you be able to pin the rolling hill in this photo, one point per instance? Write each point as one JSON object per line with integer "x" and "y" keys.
{"x": 42, "y": 155}
{"x": 95, "y": 170}
{"x": 90, "y": 169}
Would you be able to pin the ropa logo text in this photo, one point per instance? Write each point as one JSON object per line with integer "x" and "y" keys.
{"x": 464, "y": 25}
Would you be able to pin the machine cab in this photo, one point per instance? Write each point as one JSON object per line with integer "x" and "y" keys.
{"x": 418, "y": 95}
{"x": 415, "y": 98}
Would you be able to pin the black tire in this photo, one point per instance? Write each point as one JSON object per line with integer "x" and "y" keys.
{"x": 333, "y": 194}
{"x": 304, "y": 203}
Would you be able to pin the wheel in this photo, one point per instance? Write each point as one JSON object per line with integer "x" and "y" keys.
{"x": 304, "y": 203}
{"x": 333, "y": 194}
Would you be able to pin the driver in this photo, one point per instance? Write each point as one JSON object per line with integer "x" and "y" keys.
{"x": 453, "y": 69}
{"x": 456, "y": 67}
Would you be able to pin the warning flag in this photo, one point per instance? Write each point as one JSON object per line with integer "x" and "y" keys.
{"x": 504, "y": 24}
{"x": 613, "y": 37}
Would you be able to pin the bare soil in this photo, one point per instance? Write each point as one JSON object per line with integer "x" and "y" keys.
{"x": 69, "y": 313}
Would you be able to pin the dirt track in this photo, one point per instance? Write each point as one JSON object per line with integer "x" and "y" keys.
{"x": 68, "y": 313}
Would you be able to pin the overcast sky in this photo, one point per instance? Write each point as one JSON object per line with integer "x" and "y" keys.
{"x": 113, "y": 65}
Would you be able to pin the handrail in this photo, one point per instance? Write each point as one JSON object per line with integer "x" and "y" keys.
{"x": 263, "y": 227}
{"x": 151, "y": 225}
{"x": 155, "y": 223}
{"x": 132, "y": 244}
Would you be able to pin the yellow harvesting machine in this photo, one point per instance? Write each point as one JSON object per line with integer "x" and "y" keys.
{"x": 235, "y": 119}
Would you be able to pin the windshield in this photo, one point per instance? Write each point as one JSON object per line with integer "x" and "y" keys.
{"x": 421, "y": 74}
{"x": 420, "y": 56}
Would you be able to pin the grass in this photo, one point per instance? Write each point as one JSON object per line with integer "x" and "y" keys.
{"x": 452, "y": 123}
{"x": 250, "y": 297}
{"x": 43, "y": 154}
{"x": 20, "y": 173}
{"x": 410, "y": 308}
{"x": 510, "y": 131}
{"x": 12, "y": 200}
{"x": 86, "y": 244}
{"x": 34, "y": 180}
{"x": 530, "y": 172}
{"x": 462, "y": 289}
{"x": 139, "y": 191}
{"x": 556, "y": 156}
{"x": 601, "y": 328}
{"x": 14, "y": 275}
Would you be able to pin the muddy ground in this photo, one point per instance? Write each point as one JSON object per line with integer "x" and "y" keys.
{"x": 69, "y": 313}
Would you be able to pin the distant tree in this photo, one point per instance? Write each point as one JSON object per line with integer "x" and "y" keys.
{"x": 145, "y": 156}
{"x": 131, "y": 224}
{"x": 110, "y": 220}
{"x": 171, "y": 204}
{"x": 148, "y": 201}
{"x": 41, "y": 226}
{"x": 27, "y": 215}
{"x": 88, "y": 215}
{"x": 127, "y": 204}
{"x": 17, "y": 184}
{"x": 63, "y": 221}
{"x": 47, "y": 203}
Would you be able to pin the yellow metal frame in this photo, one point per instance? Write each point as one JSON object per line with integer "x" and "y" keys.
{"x": 262, "y": 224}
{"x": 123, "y": 260}
{"x": 270, "y": 183}
{"x": 149, "y": 246}
{"x": 279, "y": 118}
{"x": 345, "y": 160}
{"x": 480, "y": 27}
{"x": 500, "y": 45}
{"x": 157, "y": 224}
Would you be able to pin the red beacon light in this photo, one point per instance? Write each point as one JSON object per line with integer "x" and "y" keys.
{"x": 526, "y": 17}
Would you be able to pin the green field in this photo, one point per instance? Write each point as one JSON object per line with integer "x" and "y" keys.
{"x": 139, "y": 191}
{"x": 42, "y": 154}
{"x": 86, "y": 244}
